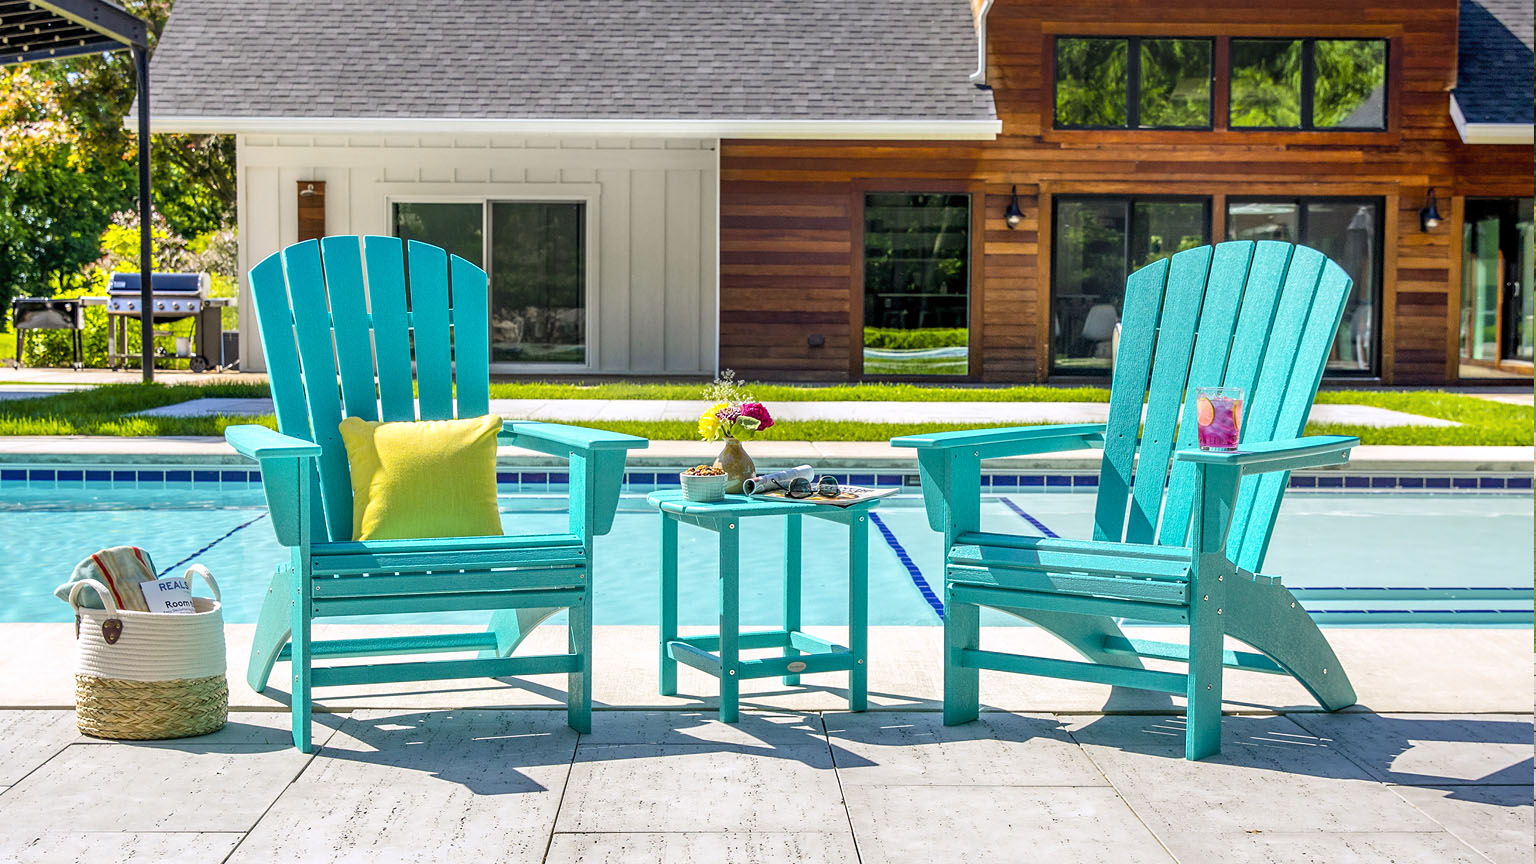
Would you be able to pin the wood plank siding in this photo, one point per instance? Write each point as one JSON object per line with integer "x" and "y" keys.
{"x": 791, "y": 211}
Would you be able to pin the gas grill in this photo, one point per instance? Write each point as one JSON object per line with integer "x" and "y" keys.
{"x": 176, "y": 296}
{"x": 47, "y": 313}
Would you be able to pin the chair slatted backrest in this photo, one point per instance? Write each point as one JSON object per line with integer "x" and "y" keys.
{"x": 1260, "y": 316}
{"x": 328, "y": 309}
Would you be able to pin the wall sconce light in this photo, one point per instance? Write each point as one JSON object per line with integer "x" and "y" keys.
{"x": 1429, "y": 217}
{"x": 1013, "y": 215}
{"x": 308, "y": 191}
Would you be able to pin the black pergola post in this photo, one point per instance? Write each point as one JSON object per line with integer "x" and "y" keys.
{"x": 146, "y": 229}
{"x": 32, "y": 31}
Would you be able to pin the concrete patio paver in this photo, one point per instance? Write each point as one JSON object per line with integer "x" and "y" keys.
{"x": 917, "y": 749}
{"x": 1497, "y": 821}
{"x": 1315, "y": 848}
{"x": 636, "y": 788}
{"x": 30, "y": 738}
{"x": 433, "y": 786}
{"x": 1431, "y": 749}
{"x": 173, "y": 847}
{"x": 695, "y": 848}
{"x": 1237, "y": 791}
{"x": 1001, "y": 824}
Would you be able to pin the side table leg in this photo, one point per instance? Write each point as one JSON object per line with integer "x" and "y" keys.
{"x": 858, "y": 611}
{"x": 668, "y": 603}
{"x": 730, "y": 591}
{"x": 792, "y": 565}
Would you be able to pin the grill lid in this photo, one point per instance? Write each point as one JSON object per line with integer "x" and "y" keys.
{"x": 185, "y": 284}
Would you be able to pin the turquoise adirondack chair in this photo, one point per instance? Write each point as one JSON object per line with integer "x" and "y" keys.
{"x": 322, "y": 336}
{"x": 1260, "y": 316}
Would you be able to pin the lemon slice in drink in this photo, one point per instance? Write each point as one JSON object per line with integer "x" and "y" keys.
{"x": 1206, "y": 410}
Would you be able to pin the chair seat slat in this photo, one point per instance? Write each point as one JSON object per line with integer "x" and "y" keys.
{"x": 1161, "y": 591}
{"x": 1051, "y": 561}
{"x": 572, "y": 575}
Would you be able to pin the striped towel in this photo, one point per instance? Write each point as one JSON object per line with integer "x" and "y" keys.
{"x": 121, "y": 569}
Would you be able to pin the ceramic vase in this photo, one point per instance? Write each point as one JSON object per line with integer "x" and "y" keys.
{"x": 736, "y": 464}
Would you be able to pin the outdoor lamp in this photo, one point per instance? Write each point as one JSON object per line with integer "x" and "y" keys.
{"x": 1013, "y": 215}
{"x": 1429, "y": 217}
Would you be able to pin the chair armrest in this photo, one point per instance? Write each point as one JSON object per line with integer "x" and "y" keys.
{"x": 1270, "y": 456}
{"x": 261, "y": 443}
{"x": 286, "y": 466}
{"x": 557, "y": 439}
{"x": 596, "y": 467}
{"x": 1010, "y": 441}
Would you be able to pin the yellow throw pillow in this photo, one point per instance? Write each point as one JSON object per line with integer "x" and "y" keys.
{"x": 419, "y": 479}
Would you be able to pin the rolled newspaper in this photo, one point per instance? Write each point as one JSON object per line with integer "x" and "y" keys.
{"x": 777, "y": 480}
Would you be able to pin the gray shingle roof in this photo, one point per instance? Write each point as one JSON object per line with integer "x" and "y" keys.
{"x": 570, "y": 59}
{"x": 1495, "y": 81}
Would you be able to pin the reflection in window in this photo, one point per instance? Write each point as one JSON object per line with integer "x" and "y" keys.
{"x": 537, "y": 270}
{"x": 1348, "y": 230}
{"x": 1090, "y": 82}
{"x": 1351, "y": 76}
{"x": 916, "y": 284}
{"x": 538, "y": 282}
{"x": 455, "y": 227}
{"x": 1175, "y": 83}
{"x": 1133, "y": 83}
{"x": 1308, "y": 84}
{"x": 1097, "y": 243}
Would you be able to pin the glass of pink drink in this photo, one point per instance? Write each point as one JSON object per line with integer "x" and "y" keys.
{"x": 1218, "y": 416}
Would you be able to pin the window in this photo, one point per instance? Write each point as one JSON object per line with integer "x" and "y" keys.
{"x": 1135, "y": 83}
{"x": 1097, "y": 242}
{"x": 1308, "y": 84}
{"x": 537, "y": 254}
{"x": 1348, "y": 230}
{"x": 917, "y": 297}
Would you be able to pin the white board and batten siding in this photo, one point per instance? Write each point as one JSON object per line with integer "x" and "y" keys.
{"x": 652, "y": 216}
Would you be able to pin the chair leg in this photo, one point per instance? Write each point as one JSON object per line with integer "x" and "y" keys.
{"x": 512, "y": 626}
{"x": 962, "y": 685}
{"x": 1202, "y": 722}
{"x": 579, "y": 683}
{"x": 272, "y": 628}
{"x": 300, "y": 704}
{"x": 1269, "y": 618}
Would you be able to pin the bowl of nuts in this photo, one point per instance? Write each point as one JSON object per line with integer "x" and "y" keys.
{"x": 703, "y": 483}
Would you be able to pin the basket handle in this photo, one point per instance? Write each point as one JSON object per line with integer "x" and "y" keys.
{"x": 101, "y": 591}
{"x": 207, "y": 577}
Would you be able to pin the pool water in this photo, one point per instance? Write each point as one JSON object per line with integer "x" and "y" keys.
{"x": 1335, "y": 539}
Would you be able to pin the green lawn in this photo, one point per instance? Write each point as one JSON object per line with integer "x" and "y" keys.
{"x": 771, "y": 393}
{"x": 104, "y": 411}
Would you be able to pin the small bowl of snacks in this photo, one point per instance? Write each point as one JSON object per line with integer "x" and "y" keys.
{"x": 703, "y": 483}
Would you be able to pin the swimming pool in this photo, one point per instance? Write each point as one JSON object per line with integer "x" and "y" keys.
{"x": 1339, "y": 539}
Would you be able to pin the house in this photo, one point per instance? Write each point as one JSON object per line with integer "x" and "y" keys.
{"x": 886, "y": 188}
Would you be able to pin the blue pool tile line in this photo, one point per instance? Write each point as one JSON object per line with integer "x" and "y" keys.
{"x": 915, "y": 574}
{"x": 639, "y": 482}
{"x": 1022, "y": 514}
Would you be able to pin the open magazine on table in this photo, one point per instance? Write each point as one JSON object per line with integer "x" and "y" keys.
{"x": 801, "y": 486}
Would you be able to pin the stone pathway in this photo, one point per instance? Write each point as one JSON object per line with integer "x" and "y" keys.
{"x": 588, "y": 410}
{"x": 677, "y": 786}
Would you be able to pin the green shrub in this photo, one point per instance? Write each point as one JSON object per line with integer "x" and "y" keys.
{"x": 891, "y": 339}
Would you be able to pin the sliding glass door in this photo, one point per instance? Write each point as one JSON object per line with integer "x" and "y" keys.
{"x": 1098, "y": 241}
{"x": 535, "y": 253}
{"x": 1497, "y": 300}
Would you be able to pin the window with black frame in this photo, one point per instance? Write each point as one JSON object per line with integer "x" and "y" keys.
{"x": 1133, "y": 83}
{"x": 917, "y": 296}
{"x": 1098, "y": 241}
{"x": 1310, "y": 84}
{"x": 1348, "y": 230}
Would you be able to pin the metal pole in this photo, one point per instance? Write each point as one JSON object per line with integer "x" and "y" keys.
{"x": 146, "y": 230}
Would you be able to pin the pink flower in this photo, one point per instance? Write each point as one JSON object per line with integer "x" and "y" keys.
{"x": 728, "y": 414}
{"x": 758, "y": 412}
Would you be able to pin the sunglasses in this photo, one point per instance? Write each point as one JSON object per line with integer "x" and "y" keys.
{"x": 800, "y": 487}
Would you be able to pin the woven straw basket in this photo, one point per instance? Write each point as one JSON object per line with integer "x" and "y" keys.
{"x": 146, "y": 675}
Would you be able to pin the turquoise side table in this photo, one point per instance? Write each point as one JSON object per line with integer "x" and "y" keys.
{"x": 720, "y": 654}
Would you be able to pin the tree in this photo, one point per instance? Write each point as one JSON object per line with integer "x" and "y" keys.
{"x": 67, "y": 164}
